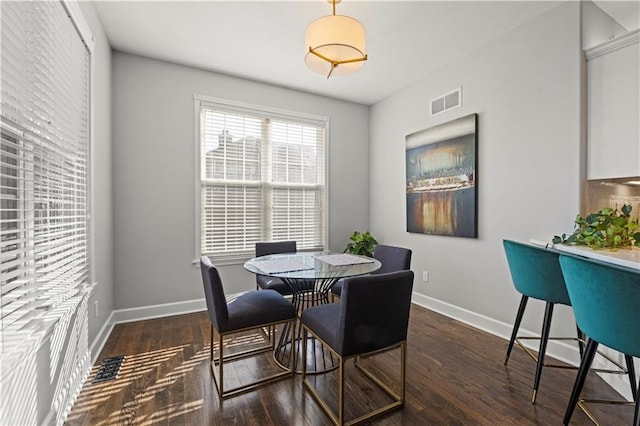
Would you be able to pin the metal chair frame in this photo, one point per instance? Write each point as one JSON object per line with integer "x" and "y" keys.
{"x": 590, "y": 353}
{"x": 338, "y": 418}
{"x": 217, "y": 363}
{"x": 621, "y": 369}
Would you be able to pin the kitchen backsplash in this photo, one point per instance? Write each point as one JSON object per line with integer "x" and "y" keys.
{"x": 612, "y": 193}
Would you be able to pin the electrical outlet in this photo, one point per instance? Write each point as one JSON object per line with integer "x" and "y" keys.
{"x": 425, "y": 276}
{"x": 95, "y": 309}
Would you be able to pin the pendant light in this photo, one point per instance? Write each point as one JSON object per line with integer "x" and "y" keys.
{"x": 336, "y": 44}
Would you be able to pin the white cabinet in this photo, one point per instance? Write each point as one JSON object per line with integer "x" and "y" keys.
{"x": 613, "y": 85}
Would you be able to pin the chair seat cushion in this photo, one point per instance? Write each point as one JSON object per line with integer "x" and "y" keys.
{"x": 272, "y": 283}
{"x": 253, "y": 308}
{"x": 324, "y": 321}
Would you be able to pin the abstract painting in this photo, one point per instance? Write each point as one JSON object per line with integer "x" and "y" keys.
{"x": 442, "y": 193}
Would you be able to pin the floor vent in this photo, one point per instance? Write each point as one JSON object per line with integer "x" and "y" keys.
{"x": 109, "y": 369}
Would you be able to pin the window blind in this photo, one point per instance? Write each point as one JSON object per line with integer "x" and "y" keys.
{"x": 44, "y": 195}
{"x": 262, "y": 178}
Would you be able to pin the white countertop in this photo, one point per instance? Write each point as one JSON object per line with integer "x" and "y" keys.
{"x": 623, "y": 257}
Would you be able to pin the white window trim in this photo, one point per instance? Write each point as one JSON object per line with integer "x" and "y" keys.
{"x": 244, "y": 108}
{"x": 84, "y": 30}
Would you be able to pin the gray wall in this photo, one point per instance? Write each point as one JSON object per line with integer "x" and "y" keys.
{"x": 154, "y": 179}
{"x": 525, "y": 87}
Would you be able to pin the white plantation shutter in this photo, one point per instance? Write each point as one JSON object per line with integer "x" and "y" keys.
{"x": 262, "y": 178}
{"x": 44, "y": 195}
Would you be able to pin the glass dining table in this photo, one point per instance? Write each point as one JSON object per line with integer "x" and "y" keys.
{"x": 309, "y": 276}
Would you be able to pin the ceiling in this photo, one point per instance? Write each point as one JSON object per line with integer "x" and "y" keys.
{"x": 264, "y": 40}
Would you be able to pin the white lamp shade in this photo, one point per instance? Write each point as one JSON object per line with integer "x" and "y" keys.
{"x": 339, "y": 38}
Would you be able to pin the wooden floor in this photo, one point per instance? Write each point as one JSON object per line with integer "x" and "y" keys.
{"x": 455, "y": 376}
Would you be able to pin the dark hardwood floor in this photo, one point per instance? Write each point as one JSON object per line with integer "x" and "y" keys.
{"x": 455, "y": 376}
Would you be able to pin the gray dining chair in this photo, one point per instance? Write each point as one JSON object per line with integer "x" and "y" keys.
{"x": 266, "y": 282}
{"x": 252, "y": 310}
{"x": 368, "y": 321}
{"x": 393, "y": 259}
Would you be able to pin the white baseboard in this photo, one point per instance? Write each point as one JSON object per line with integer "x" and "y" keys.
{"x": 158, "y": 311}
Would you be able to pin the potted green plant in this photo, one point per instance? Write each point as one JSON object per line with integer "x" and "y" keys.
{"x": 606, "y": 229}
{"x": 362, "y": 243}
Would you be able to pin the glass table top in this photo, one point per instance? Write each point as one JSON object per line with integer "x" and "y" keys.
{"x": 312, "y": 265}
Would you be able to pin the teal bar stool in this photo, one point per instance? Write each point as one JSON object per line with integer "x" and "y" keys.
{"x": 606, "y": 304}
{"x": 536, "y": 274}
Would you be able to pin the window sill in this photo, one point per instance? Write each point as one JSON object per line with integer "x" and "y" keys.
{"x": 30, "y": 337}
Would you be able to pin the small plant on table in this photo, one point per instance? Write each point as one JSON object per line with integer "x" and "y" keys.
{"x": 362, "y": 243}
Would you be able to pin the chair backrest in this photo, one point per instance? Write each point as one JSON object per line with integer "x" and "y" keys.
{"x": 276, "y": 247}
{"x": 535, "y": 272}
{"x": 606, "y": 302}
{"x": 214, "y": 294}
{"x": 393, "y": 259}
{"x": 374, "y": 312}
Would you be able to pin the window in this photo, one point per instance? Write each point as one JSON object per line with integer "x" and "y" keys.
{"x": 44, "y": 194}
{"x": 262, "y": 178}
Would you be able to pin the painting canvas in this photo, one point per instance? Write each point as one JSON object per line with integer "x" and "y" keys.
{"x": 441, "y": 179}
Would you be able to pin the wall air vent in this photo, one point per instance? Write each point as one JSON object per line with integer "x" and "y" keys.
{"x": 447, "y": 101}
